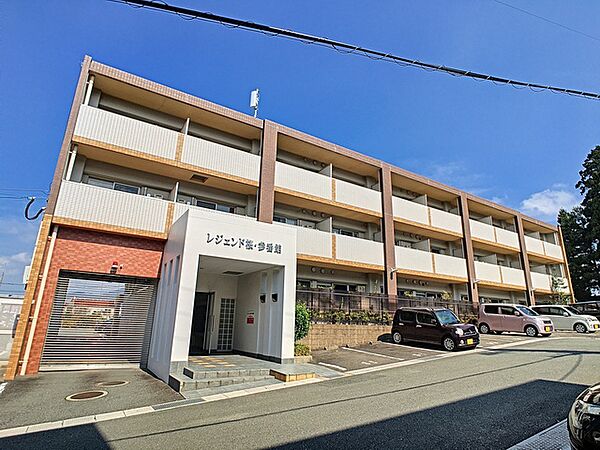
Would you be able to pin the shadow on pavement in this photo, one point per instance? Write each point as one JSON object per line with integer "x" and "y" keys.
{"x": 491, "y": 421}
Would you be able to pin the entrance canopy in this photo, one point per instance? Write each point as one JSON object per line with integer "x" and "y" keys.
{"x": 249, "y": 264}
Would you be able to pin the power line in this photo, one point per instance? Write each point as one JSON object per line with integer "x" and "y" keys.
{"x": 529, "y": 13}
{"x": 342, "y": 47}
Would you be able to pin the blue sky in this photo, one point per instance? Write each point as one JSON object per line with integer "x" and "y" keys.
{"x": 517, "y": 147}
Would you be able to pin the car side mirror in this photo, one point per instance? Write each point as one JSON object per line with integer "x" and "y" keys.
{"x": 566, "y": 314}
{"x": 433, "y": 322}
{"x": 517, "y": 313}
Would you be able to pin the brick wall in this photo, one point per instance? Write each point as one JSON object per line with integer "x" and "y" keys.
{"x": 328, "y": 336}
{"x": 90, "y": 251}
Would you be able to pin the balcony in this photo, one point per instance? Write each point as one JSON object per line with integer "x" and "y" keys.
{"x": 109, "y": 128}
{"x": 359, "y": 250}
{"x": 221, "y": 159}
{"x": 543, "y": 282}
{"x": 313, "y": 242}
{"x": 302, "y": 181}
{"x": 490, "y": 234}
{"x": 499, "y": 275}
{"x": 542, "y": 249}
{"x": 421, "y": 215}
{"x": 84, "y": 203}
{"x": 413, "y": 260}
{"x": 357, "y": 196}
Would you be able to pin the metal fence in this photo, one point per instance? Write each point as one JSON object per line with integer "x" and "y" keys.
{"x": 336, "y": 307}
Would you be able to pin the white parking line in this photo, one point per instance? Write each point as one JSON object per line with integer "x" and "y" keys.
{"x": 333, "y": 366}
{"x": 373, "y": 353}
{"x": 2, "y": 387}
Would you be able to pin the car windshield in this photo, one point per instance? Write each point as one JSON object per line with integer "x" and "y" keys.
{"x": 527, "y": 311}
{"x": 572, "y": 310}
{"x": 446, "y": 317}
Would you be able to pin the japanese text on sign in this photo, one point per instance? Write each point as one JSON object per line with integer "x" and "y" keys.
{"x": 248, "y": 244}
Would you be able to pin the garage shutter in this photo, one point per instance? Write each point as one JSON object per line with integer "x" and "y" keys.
{"x": 99, "y": 319}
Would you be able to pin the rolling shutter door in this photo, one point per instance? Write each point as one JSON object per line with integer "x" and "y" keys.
{"x": 99, "y": 319}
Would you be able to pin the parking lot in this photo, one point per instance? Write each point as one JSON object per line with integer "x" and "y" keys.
{"x": 385, "y": 352}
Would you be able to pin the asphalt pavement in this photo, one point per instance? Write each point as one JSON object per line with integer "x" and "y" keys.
{"x": 490, "y": 399}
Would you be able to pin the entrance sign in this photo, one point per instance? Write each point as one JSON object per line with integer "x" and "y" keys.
{"x": 250, "y": 318}
{"x": 248, "y": 244}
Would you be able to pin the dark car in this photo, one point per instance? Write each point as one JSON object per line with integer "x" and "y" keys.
{"x": 434, "y": 326}
{"x": 588, "y": 308}
{"x": 584, "y": 420}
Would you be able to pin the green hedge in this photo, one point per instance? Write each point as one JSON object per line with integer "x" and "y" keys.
{"x": 302, "y": 322}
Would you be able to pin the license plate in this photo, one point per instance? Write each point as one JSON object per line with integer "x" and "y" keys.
{"x": 548, "y": 328}
{"x": 469, "y": 341}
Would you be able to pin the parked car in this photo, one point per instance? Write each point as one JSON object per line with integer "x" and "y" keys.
{"x": 568, "y": 318}
{"x": 500, "y": 317}
{"x": 583, "y": 421}
{"x": 434, "y": 326}
{"x": 588, "y": 308}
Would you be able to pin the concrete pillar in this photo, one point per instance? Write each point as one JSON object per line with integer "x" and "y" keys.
{"x": 387, "y": 230}
{"x": 472, "y": 287}
{"x": 266, "y": 188}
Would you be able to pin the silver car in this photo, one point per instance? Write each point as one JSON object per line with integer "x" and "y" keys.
{"x": 568, "y": 318}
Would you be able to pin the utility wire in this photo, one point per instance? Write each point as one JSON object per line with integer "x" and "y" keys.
{"x": 573, "y": 30}
{"x": 342, "y": 47}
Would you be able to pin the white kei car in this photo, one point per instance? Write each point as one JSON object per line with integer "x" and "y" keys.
{"x": 566, "y": 317}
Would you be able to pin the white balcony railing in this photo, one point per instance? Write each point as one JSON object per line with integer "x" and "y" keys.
{"x": 488, "y": 272}
{"x": 515, "y": 277}
{"x": 359, "y": 250}
{"x": 425, "y": 215}
{"x": 220, "y": 158}
{"x": 303, "y": 181}
{"x": 486, "y": 232}
{"x": 541, "y": 281}
{"x": 540, "y": 247}
{"x": 359, "y": 196}
{"x": 110, "y": 128}
{"x": 313, "y": 242}
{"x": 83, "y": 202}
{"x": 411, "y": 259}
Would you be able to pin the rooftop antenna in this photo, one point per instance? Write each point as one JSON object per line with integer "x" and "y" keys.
{"x": 254, "y": 99}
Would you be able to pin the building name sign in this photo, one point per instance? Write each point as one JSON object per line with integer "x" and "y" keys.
{"x": 245, "y": 243}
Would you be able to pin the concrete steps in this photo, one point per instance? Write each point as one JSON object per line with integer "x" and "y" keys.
{"x": 194, "y": 379}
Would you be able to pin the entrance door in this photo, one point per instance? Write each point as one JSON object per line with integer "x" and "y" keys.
{"x": 199, "y": 323}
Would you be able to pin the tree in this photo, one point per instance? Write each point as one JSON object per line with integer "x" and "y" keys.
{"x": 579, "y": 255}
{"x": 559, "y": 291}
{"x": 581, "y": 231}
{"x": 302, "y": 322}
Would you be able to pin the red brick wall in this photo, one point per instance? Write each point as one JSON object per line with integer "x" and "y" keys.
{"x": 90, "y": 251}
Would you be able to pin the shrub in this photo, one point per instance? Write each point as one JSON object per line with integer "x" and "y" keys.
{"x": 301, "y": 349}
{"x": 302, "y": 322}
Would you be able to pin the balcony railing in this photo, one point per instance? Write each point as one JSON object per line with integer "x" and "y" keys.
{"x": 411, "y": 259}
{"x": 543, "y": 248}
{"x": 358, "y": 196}
{"x": 543, "y": 282}
{"x": 220, "y": 158}
{"x": 313, "y": 242}
{"x": 499, "y": 274}
{"x": 429, "y": 217}
{"x": 302, "y": 181}
{"x": 359, "y": 250}
{"x": 82, "y": 202}
{"x": 486, "y": 232}
{"x": 114, "y": 129}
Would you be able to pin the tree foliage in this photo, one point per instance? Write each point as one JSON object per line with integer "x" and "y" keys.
{"x": 581, "y": 231}
{"x": 302, "y": 322}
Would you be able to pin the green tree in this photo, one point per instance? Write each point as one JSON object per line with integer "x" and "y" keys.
{"x": 302, "y": 322}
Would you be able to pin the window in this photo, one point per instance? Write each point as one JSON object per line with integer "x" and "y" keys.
{"x": 543, "y": 310}
{"x": 287, "y": 220}
{"x": 126, "y": 188}
{"x": 100, "y": 183}
{"x": 205, "y": 204}
{"x": 528, "y": 312}
{"x": 507, "y": 310}
{"x": 425, "y": 318}
{"x": 555, "y": 311}
{"x": 408, "y": 316}
{"x": 344, "y": 232}
{"x": 491, "y": 309}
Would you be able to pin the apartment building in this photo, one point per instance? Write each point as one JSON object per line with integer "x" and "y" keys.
{"x": 176, "y": 226}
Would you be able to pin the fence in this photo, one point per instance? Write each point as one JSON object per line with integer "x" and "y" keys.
{"x": 336, "y": 307}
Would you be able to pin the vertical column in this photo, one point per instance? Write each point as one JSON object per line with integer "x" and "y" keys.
{"x": 266, "y": 188}
{"x": 387, "y": 231}
{"x": 525, "y": 260}
{"x": 472, "y": 287}
{"x": 566, "y": 263}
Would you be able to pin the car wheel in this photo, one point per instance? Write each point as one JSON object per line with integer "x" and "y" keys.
{"x": 580, "y": 328}
{"x": 484, "y": 328}
{"x": 449, "y": 344}
{"x": 397, "y": 338}
{"x": 531, "y": 331}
